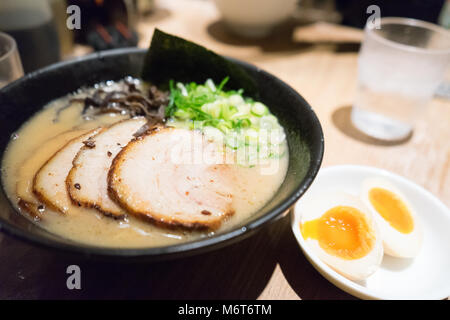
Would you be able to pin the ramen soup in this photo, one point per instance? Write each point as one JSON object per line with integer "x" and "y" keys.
{"x": 123, "y": 164}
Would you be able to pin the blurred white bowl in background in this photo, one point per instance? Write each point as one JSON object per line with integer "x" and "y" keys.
{"x": 255, "y": 18}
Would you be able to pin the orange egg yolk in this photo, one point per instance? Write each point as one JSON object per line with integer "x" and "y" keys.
{"x": 392, "y": 209}
{"x": 341, "y": 231}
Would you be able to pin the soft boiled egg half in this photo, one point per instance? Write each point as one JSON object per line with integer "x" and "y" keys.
{"x": 398, "y": 222}
{"x": 343, "y": 233}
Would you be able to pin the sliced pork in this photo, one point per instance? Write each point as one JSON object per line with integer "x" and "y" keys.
{"x": 173, "y": 177}
{"x": 87, "y": 180}
{"x": 49, "y": 183}
{"x": 28, "y": 201}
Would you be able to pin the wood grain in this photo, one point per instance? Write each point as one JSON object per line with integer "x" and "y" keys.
{"x": 270, "y": 264}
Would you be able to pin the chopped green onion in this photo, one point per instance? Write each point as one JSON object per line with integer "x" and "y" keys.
{"x": 277, "y": 136}
{"x": 223, "y": 83}
{"x": 258, "y": 109}
{"x": 210, "y": 84}
{"x": 212, "y": 109}
{"x": 224, "y": 126}
{"x": 268, "y": 122}
{"x": 236, "y": 100}
{"x": 226, "y": 117}
{"x": 183, "y": 114}
{"x": 182, "y": 89}
{"x": 228, "y": 111}
{"x": 241, "y": 123}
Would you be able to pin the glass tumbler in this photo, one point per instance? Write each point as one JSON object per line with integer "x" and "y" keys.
{"x": 10, "y": 65}
{"x": 400, "y": 66}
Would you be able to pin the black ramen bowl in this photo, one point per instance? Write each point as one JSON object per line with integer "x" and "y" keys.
{"x": 24, "y": 97}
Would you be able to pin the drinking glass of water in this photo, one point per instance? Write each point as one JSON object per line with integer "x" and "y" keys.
{"x": 10, "y": 65}
{"x": 400, "y": 66}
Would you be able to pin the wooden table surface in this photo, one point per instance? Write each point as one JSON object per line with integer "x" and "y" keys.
{"x": 320, "y": 62}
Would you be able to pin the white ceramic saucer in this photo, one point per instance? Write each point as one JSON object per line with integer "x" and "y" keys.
{"x": 427, "y": 276}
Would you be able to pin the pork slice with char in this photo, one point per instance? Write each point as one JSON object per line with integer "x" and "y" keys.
{"x": 49, "y": 183}
{"x": 87, "y": 180}
{"x": 28, "y": 202}
{"x": 173, "y": 177}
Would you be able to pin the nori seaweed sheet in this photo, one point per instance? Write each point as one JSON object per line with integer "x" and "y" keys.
{"x": 170, "y": 57}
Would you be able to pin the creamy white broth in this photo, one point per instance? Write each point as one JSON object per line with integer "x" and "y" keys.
{"x": 252, "y": 189}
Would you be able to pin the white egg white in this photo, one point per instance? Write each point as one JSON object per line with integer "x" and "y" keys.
{"x": 395, "y": 243}
{"x": 355, "y": 269}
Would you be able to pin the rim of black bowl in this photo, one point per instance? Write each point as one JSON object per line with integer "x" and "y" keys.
{"x": 183, "y": 249}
